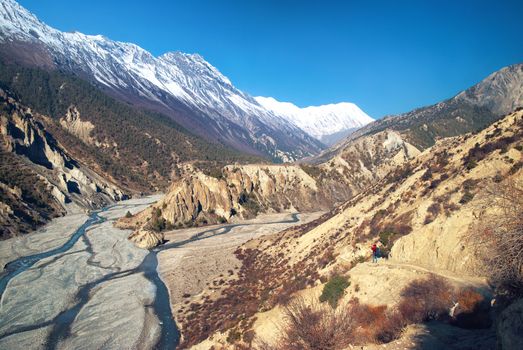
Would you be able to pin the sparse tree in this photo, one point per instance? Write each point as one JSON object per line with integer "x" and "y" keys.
{"x": 498, "y": 235}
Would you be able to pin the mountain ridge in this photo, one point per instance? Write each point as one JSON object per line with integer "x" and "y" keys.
{"x": 183, "y": 86}
{"x": 472, "y": 109}
{"x": 328, "y": 123}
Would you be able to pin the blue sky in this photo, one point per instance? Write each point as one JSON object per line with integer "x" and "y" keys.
{"x": 386, "y": 56}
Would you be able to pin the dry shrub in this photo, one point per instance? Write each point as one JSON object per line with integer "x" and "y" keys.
{"x": 312, "y": 326}
{"x": 432, "y": 212}
{"x": 372, "y": 321}
{"x": 326, "y": 258}
{"x": 473, "y": 311}
{"x": 425, "y": 300}
{"x": 498, "y": 235}
{"x": 469, "y": 299}
{"x": 315, "y": 326}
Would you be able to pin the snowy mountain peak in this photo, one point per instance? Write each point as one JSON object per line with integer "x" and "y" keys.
{"x": 184, "y": 86}
{"x": 327, "y": 123}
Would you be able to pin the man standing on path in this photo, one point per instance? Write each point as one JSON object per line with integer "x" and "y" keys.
{"x": 374, "y": 253}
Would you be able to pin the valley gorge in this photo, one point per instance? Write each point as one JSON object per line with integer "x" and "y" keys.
{"x": 146, "y": 202}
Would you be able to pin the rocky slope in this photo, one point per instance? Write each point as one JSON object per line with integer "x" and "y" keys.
{"x": 470, "y": 110}
{"x": 39, "y": 178}
{"x": 237, "y": 192}
{"x": 421, "y": 212}
{"x": 183, "y": 86}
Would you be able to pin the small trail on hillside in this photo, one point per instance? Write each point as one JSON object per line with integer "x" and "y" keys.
{"x": 478, "y": 282}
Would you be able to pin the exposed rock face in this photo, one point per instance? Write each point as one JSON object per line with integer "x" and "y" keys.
{"x": 242, "y": 191}
{"x": 146, "y": 239}
{"x": 510, "y": 327}
{"x": 501, "y": 92}
{"x": 74, "y": 124}
{"x": 25, "y": 140}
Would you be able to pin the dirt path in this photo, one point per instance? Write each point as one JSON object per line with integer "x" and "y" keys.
{"x": 478, "y": 282}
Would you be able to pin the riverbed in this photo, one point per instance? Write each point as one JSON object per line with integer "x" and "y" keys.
{"x": 97, "y": 291}
{"x": 80, "y": 284}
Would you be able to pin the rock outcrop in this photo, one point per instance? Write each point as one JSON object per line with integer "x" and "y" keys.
{"x": 146, "y": 239}
{"x": 76, "y": 126}
{"x": 66, "y": 180}
{"x": 239, "y": 192}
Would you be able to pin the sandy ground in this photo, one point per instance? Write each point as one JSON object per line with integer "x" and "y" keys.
{"x": 87, "y": 297}
{"x": 188, "y": 267}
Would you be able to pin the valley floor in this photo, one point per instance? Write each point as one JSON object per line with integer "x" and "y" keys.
{"x": 194, "y": 258}
{"x": 61, "y": 289}
{"x": 92, "y": 295}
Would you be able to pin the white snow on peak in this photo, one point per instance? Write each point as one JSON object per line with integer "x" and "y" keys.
{"x": 320, "y": 121}
{"x": 188, "y": 78}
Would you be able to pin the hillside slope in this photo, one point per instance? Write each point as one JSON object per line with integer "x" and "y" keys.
{"x": 139, "y": 150}
{"x": 422, "y": 212}
{"x": 470, "y": 110}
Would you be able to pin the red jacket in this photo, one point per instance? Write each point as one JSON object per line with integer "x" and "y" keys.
{"x": 373, "y": 248}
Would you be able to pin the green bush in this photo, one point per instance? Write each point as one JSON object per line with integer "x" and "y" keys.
{"x": 128, "y": 214}
{"x": 334, "y": 289}
{"x": 471, "y": 164}
{"x": 386, "y": 238}
{"x": 467, "y": 197}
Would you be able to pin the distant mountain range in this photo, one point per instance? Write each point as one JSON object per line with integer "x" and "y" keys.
{"x": 328, "y": 123}
{"x": 471, "y": 110}
{"x": 183, "y": 86}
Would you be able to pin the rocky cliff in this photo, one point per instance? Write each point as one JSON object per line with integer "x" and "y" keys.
{"x": 63, "y": 180}
{"x": 237, "y": 192}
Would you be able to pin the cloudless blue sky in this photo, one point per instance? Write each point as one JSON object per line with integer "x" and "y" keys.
{"x": 386, "y": 56}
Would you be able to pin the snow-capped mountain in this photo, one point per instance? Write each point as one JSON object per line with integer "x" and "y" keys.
{"x": 184, "y": 86}
{"x": 328, "y": 123}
